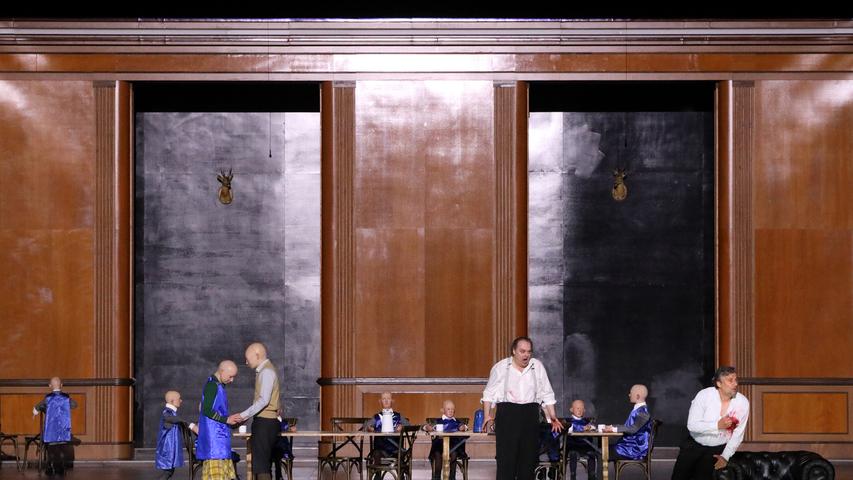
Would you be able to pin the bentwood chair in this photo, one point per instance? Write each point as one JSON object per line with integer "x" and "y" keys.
{"x": 644, "y": 463}
{"x": 462, "y": 458}
{"x": 400, "y": 465}
{"x": 344, "y": 453}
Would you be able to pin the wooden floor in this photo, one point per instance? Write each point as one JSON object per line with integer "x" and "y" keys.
{"x": 138, "y": 470}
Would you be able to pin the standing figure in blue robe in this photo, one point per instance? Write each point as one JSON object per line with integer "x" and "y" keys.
{"x": 457, "y": 444}
{"x": 170, "y": 445}
{"x": 578, "y": 446}
{"x": 384, "y": 447}
{"x": 636, "y": 431}
{"x": 56, "y": 435}
{"x": 214, "y": 432}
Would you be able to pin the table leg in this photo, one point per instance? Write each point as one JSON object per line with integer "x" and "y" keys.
{"x": 249, "y": 458}
{"x": 605, "y": 453}
{"x": 445, "y": 458}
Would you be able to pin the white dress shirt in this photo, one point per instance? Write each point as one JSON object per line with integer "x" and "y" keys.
{"x": 507, "y": 384}
{"x": 704, "y": 415}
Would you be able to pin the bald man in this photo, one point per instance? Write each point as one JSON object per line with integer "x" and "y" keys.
{"x": 214, "y": 433}
{"x": 636, "y": 431}
{"x": 457, "y": 445}
{"x": 56, "y": 436}
{"x": 263, "y": 411}
{"x": 169, "y": 453}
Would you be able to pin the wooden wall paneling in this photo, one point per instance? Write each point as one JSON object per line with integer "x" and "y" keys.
{"x": 112, "y": 261}
{"x": 778, "y": 412}
{"x": 735, "y": 150}
{"x": 338, "y": 249}
{"x": 510, "y": 216}
{"x": 804, "y": 229}
{"x": 16, "y": 405}
{"x": 46, "y": 244}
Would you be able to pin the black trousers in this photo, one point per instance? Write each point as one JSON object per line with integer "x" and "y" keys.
{"x": 264, "y": 435}
{"x": 695, "y": 461}
{"x": 59, "y": 457}
{"x": 591, "y": 460}
{"x": 517, "y": 440}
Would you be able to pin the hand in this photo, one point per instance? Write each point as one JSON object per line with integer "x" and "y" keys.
{"x": 194, "y": 428}
{"x": 234, "y": 419}
{"x": 292, "y": 429}
{"x": 608, "y": 428}
{"x": 556, "y": 425}
{"x": 724, "y": 423}
{"x": 588, "y": 427}
{"x": 370, "y": 428}
{"x": 399, "y": 428}
{"x": 463, "y": 428}
{"x": 428, "y": 428}
{"x": 487, "y": 422}
{"x": 721, "y": 462}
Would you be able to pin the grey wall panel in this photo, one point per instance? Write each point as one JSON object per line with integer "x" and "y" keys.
{"x": 211, "y": 278}
{"x": 622, "y": 292}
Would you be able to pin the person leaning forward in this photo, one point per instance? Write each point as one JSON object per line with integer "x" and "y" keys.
{"x": 214, "y": 433}
{"x": 518, "y": 385}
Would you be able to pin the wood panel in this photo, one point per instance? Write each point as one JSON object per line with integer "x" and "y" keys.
{"x": 369, "y": 62}
{"x": 826, "y": 412}
{"x": 424, "y": 218}
{"x": 16, "y": 415}
{"x": 337, "y": 279}
{"x": 803, "y": 171}
{"x": 803, "y": 303}
{"x": 46, "y": 228}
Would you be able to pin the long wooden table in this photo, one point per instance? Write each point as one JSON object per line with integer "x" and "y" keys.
{"x": 605, "y": 446}
{"x": 445, "y": 436}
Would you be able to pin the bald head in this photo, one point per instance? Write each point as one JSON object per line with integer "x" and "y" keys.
{"x": 227, "y": 371}
{"x": 578, "y": 408}
{"x": 448, "y": 408}
{"x": 173, "y": 398}
{"x": 256, "y": 353}
{"x": 638, "y": 393}
{"x": 55, "y": 383}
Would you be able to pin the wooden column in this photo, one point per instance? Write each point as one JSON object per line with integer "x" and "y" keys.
{"x": 735, "y": 232}
{"x": 338, "y": 244}
{"x": 112, "y": 358}
{"x": 510, "y": 215}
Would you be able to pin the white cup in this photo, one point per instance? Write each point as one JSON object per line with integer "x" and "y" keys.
{"x": 241, "y": 429}
{"x": 439, "y": 427}
{"x": 601, "y": 427}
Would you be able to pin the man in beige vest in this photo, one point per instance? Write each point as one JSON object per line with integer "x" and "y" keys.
{"x": 264, "y": 411}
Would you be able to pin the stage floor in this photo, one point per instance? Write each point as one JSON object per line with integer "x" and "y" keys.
{"x": 479, "y": 470}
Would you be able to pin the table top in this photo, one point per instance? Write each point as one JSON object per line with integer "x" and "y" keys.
{"x": 593, "y": 433}
{"x": 322, "y": 433}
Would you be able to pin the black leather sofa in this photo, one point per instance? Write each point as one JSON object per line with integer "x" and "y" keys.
{"x": 794, "y": 465}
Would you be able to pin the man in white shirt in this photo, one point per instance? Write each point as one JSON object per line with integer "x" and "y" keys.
{"x": 519, "y": 385}
{"x": 716, "y": 422}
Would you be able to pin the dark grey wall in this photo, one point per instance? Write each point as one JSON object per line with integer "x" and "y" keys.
{"x": 623, "y": 292}
{"x": 212, "y": 278}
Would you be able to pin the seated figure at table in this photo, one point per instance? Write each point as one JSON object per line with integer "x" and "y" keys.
{"x": 636, "y": 431}
{"x": 283, "y": 448}
{"x": 56, "y": 435}
{"x": 384, "y": 446}
{"x": 576, "y": 446}
{"x": 457, "y": 444}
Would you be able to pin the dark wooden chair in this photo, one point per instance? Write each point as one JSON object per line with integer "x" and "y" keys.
{"x": 644, "y": 463}
{"x": 286, "y": 463}
{"x": 399, "y": 466}
{"x": 35, "y": 441}
{"x": 193, "y": 464}
{"x": 462, "y": 458}
{"x": 344, "y": 452}
{"x": 13, "y": 441}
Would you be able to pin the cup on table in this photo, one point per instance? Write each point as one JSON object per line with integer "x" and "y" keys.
{"x": 601, "y": 427}
{"x": 439, "y": 427}
{"x": 242, "y": 429}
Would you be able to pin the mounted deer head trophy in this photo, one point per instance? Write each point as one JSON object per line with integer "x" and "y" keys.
{"x": 620, "y": 190}
{"x": 225, "y": 196}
